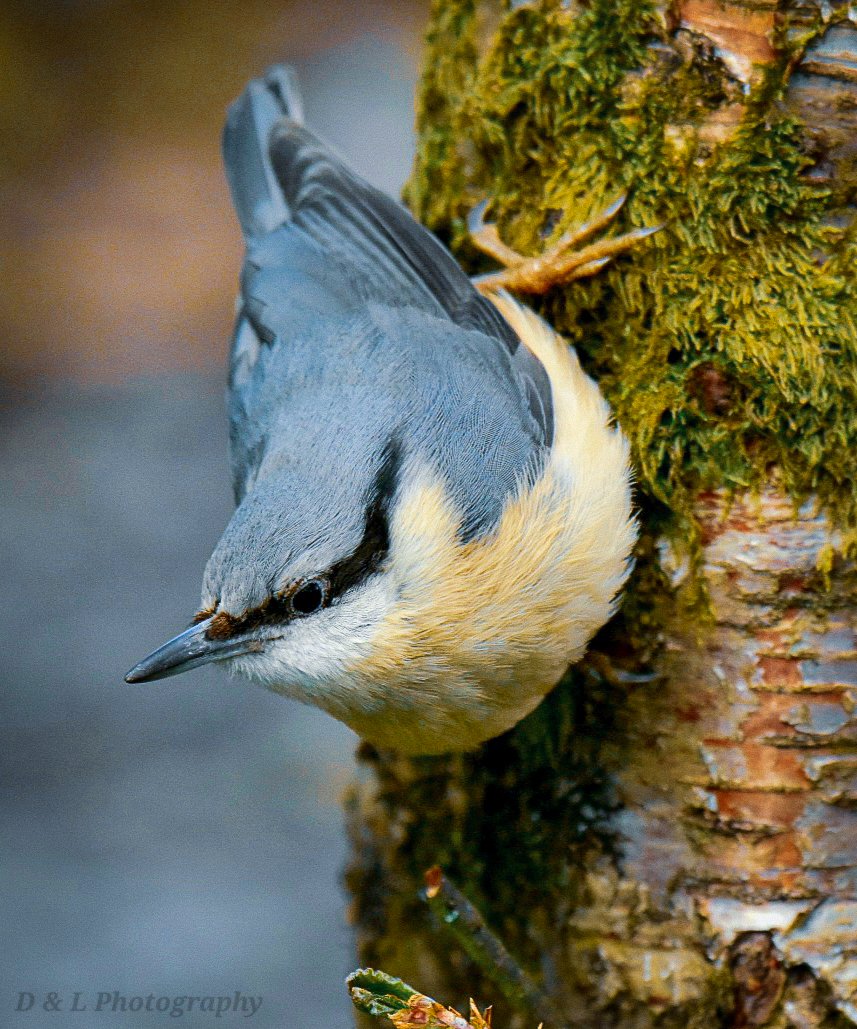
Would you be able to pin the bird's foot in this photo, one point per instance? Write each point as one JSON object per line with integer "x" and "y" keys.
{"x": 560, "y": 264}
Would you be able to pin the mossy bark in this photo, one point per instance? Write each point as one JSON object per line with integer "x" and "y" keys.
{"x": 671, "y": 838}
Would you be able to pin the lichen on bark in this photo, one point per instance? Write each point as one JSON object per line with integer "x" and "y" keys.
{"x": 679, "y": 813}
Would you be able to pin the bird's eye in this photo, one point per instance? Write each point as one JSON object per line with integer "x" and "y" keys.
{"x": 309, "y": 598}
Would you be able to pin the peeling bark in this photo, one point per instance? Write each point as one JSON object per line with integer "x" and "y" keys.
{"x": 738, "y": 786}
{"x": 675, "y": 842}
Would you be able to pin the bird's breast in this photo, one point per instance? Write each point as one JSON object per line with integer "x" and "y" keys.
{"x": 479, "y": 631}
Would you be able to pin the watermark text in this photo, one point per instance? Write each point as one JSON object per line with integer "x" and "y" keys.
{"x": 111, "y": 1001}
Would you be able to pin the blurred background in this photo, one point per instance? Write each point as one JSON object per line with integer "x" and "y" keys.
{"x": 183, "y": 837}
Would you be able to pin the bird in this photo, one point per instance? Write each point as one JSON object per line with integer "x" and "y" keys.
{"x": 434, "y": 503}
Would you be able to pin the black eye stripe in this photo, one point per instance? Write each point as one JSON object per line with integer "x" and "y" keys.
{"x": 373, "y": 548}
{"x": 366, "y": 559}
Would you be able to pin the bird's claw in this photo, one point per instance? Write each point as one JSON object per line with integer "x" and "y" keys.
{"x": 561, "y": 263}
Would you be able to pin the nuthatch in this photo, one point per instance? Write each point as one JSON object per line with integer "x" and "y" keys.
{"x": 434, "y": 509}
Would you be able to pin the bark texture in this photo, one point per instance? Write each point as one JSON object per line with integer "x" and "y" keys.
{"x": 671, "y": 839}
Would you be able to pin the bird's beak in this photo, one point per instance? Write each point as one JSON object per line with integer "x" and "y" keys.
{"x": 189, "y": 649}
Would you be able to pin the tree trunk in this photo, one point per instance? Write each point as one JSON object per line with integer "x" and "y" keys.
{"x": 671, "y": 838}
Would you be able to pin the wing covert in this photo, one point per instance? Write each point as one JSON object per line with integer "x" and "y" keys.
{"x": 322, "y": 243}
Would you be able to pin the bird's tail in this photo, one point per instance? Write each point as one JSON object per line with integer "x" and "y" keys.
{"x": 258, "y": 197}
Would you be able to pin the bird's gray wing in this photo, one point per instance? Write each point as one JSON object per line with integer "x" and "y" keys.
{"x": 322, "y": 241}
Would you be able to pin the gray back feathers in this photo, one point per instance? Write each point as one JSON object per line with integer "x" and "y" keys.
{"x": 356, "y": 328}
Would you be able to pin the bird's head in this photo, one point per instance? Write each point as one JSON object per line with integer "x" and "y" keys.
{"x": 296, "y": 583}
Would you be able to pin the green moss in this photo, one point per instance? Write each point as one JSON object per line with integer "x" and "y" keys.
{"x": 450, "y": 68}
{"x": 728, "y": 343}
